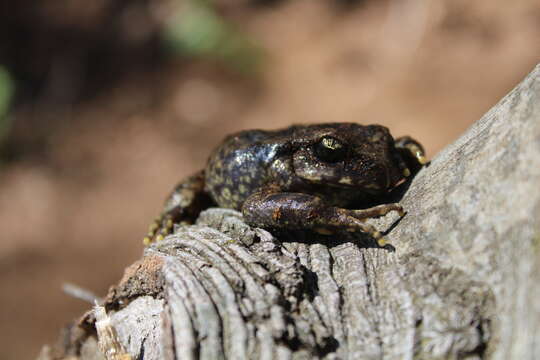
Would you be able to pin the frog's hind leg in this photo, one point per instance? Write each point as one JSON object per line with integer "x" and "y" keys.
{"x": 183, "y": 205}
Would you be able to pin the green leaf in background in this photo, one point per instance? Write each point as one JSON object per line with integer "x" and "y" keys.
{"x": 6, "y": 94}
{"x": 198, "y": 30}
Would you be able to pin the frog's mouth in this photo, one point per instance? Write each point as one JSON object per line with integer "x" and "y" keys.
{"x": 376, "y": 185}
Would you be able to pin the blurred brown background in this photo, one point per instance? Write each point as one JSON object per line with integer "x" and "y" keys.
{"x": 105, "y": 105}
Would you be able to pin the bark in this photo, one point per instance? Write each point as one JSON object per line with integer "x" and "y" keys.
{"x": 460, "y": 283}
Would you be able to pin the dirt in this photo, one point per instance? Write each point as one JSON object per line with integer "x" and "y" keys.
{"x": 89, "y": 173}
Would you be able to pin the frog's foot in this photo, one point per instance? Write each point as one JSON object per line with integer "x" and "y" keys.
{"x": 183, "y": 205}
{"x": 352, "y": 224}
{"x": 161, "y": 227}
{"x": 371, "y": 231}
{"x": 412, "y": 148}
{"x": 354, "y": 220}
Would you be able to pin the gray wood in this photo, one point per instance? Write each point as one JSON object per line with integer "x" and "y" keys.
{"x": 461, "y": 283}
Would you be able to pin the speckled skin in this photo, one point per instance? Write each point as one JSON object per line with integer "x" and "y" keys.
{"x": 301, "y": 177}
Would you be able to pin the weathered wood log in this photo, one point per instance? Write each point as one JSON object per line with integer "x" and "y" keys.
{"x": 462, "y": 282}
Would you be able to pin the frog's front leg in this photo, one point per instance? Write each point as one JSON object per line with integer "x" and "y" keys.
{"x": 295, "y": 211}
{"x": 183, "y": 205}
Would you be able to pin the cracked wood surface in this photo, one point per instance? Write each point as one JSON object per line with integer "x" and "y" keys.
{"x": 461, "y": 283}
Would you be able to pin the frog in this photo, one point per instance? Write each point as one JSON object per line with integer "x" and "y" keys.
{"x": 324, "y": 178}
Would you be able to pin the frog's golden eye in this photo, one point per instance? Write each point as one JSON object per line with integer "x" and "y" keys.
{"x": 330, "y": 149}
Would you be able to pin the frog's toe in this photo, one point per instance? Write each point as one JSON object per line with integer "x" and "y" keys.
{"x": 376, "y": 235}
{"x": 413, "y": 147}
{"x": 376, "y": 211}
{"x": 161, "y": 227}
{"x": 360, "y": 225}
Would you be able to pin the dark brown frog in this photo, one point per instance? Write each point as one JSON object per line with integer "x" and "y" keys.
{"x": 303, "y": 177}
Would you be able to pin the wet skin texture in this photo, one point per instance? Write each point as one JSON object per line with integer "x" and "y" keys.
{"x": 300, "y": 178}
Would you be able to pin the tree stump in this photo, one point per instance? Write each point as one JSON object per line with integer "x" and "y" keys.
{"x": 462, "y": 282}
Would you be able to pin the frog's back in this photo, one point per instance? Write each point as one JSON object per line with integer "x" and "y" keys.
{"x": 239, "y": 165}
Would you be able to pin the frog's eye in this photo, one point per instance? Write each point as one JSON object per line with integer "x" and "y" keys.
{"x": 330, "y": 149}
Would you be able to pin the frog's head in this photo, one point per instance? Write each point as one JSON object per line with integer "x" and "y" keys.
{"x": 349, "y": 155}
